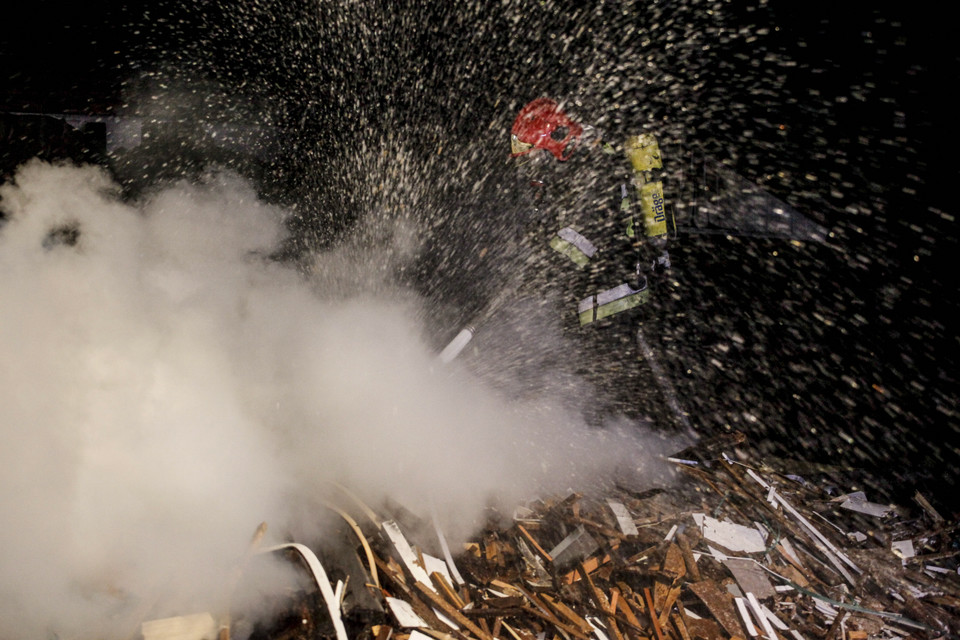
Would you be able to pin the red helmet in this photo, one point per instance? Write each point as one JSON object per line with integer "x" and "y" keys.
{"x": 543, "y": 125}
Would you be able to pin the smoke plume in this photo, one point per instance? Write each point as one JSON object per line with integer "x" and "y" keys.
{"x": 166, "y": 386}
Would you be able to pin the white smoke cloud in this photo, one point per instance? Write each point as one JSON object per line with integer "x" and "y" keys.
{"x": 164, "y": 388}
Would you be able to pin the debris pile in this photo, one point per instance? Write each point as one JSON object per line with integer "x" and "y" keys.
{"x": 734, "y": 550}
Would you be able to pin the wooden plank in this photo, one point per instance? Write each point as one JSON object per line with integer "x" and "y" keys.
{"x": 546, "y": 616}
{"x": 673, "y": 563}
{"x": 668, "y": 605}
{"x": 601, "y": 601}
{"x": 643, "y": 555}
{"x": 367, "y": 511}
{"x": 639, "y": 604}
{"x": 444, "y": 588}
{"x": 624, "y": 607}
{"x": 395, "y": 576}
{"x": 493, "y": 612}
{"x": 540, "y": 610}
{"x": 682, "y": 612}
{"x": 567, "y": 613}
{"x": 512, "y": 631}
{"x": 706, "y": 629}
{"x": 720, "y": 604}
{"x": 692, "y": 570}
{"x": 601, "y": 529}
{"x": 591, "y": 564}
{"x": 661, "y": 589}
{"x": 680, "y": 626}
{"x": 409, "y": 557}
{"x": 371, "y": 564}
{"x": 652, "y": 613}
{"x": 536, "y": 545}
{"x": 483, "y": 625}
{"x": 832, "y": 631}
{"x": 506, "y": 587}
{"x": 636, "y": 630}
{"x": 449, "y": 610}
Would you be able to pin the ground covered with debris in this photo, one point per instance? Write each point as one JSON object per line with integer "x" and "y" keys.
{"x": 733, "y": 550}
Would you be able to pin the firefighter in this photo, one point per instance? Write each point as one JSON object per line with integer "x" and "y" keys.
{"x": 596, "y": 205}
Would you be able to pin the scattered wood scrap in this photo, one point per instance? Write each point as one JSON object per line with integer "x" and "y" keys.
{"x": 735, "y": 550}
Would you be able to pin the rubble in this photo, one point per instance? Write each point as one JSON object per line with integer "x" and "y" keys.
{"x": 734, "y": 550}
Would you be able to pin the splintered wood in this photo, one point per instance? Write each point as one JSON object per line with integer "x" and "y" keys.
{"x": 731, "y": 550}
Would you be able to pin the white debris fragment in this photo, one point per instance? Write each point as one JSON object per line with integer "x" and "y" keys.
{"x": 836, "y": 557}
{"x": 857, "y": 501}
{"x": 828, "y": 612}
{"x": 447, "y": 556}
{"x": 719, "y": 556}
{"x": 729, "y": 535}
{"x": 772, "y": 497}
{"x": 763, "y": 483}
{"x": 405, "y": 551}
{"x": 670, "y": 534}
{"x": 446, "y": 620}
{"x": 761, "y": 618}
{"x": 790, "y": 551}
{"x": 597, "y": 627}
{"x": 576, "y": 546}
{"x": 199, "y": 626}
{"x": 857, "y": 536}
{"x": 624, "y": 519}
{"x": 764, "y": 534}
{"x": 522, "y": 513}
{"x": 772, "y": 617}
{"x": 436, "y": 565}
{"x": 453, "y": 349}
{"x": 745, "y": 616}
{"x": 323, "y": 583}
{"x": 903, "y": 548}
{"x": 404, "y": 614}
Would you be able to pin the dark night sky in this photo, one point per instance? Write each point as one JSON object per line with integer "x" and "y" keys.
{"x": 54, "y": 48}
{"x": 78, "y": 54}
